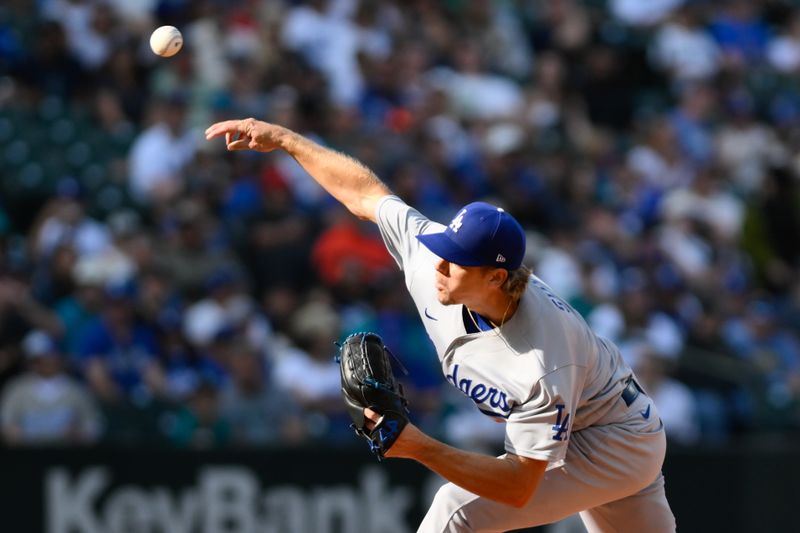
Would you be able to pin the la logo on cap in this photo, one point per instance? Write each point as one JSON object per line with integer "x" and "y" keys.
{"x": 458, "y": 221}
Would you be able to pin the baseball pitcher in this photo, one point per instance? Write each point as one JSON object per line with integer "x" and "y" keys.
{"x": 581, "y": 435}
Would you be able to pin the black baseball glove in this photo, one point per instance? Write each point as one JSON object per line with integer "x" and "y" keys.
{"x": 368, "y": 381}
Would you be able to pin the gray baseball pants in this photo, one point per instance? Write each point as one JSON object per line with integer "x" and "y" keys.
{"x": 612, "y": 477}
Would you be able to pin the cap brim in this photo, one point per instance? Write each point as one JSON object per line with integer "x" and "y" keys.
{"x": 441, "y": 245}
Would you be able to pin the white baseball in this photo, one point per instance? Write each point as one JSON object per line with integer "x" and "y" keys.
{"x": 166, "y": 41}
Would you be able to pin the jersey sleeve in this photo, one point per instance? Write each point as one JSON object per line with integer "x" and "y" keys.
{"x": 399, "y": 225}
{"x": 541, "y": 427}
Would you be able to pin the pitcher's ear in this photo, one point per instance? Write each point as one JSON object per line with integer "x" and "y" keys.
{"x": 498, "y": 276}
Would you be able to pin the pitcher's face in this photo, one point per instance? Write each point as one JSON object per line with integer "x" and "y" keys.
{"x": 456, "y": 284}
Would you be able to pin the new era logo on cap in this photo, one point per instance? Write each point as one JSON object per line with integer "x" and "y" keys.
{"x": 480, "y": 235}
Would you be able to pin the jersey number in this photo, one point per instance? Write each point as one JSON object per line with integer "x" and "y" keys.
{"x": 562, "y": 424}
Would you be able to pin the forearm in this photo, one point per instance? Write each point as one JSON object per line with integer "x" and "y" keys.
{"x": 502, "y": 479}
{"x": 346, "y": 179}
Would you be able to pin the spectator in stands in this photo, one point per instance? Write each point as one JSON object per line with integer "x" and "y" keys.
{"x": 187, "y": 251}
{"x": 775, "y": 352}
{"x": 685, "y": 49}
{"x": 160, "y": 154}
{"x": 76, "y": 310}
{"x": 692, "y": 121}
{"x": 199, "y": 424}
{"x": 706, "y": 200}
{"x": 745, "y": 146}
{"x": 308, "y": 372}
{"x": 19, "y": 313}
{"x": 235, "y": 311}
{"x": 118, "y": 353}
{"x": 63, "y": 221}
{"x": 657, "y": 160}
{"x": 185, "y": 365}
{"x": 52, "y": 278}
{"x": 473, "y": 91}
{"x": 783, "y": 50}
{"x": 45, "y": 405}
{"x": 740, "y": 32}
{"x": 332, "y": 43}
{"x": 259, "y": 412}
{"x": 50, "y": 66}
{"x": 19, "y": 304}
{"x": 349, "y": 253}
{"x": 278, "y": 236}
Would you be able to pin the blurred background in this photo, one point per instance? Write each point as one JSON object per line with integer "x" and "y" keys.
{"x": 166, "y": 306}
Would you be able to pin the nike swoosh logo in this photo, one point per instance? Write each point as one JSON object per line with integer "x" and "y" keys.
{"x": 429, "y": 316}
{"x": 646, "y": 413}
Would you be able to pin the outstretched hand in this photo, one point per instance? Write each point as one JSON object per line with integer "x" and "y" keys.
{"x": 248, "y": 134}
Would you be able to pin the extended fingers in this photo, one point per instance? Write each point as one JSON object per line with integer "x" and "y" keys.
{"x": 239, "y": 144}
{"x": 225, "y": 128}
{"x": 246, "y": 134}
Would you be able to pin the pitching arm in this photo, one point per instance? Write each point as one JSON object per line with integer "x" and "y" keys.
{"x": 346, "y": 179}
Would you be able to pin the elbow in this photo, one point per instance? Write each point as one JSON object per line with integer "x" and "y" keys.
{"x": 363, "y": 206}
{"x": 517, "y": 497}
{"x": 362, "y": 215}
{"x": 521, "y": 480}
{"x": 524, "y": 490}
{"x": 521, "y": 498}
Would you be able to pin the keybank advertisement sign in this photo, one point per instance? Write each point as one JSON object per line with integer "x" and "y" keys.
{"x": 224, "y": 499}
{"x": 281, "y": 496}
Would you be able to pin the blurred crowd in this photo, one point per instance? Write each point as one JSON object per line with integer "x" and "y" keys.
{"x": 156, "y": 289}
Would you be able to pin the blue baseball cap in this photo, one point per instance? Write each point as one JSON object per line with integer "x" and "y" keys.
{"x": 481, "y": 234}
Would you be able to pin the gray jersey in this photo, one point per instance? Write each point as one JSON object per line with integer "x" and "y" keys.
{"x": 543, "y": 371}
